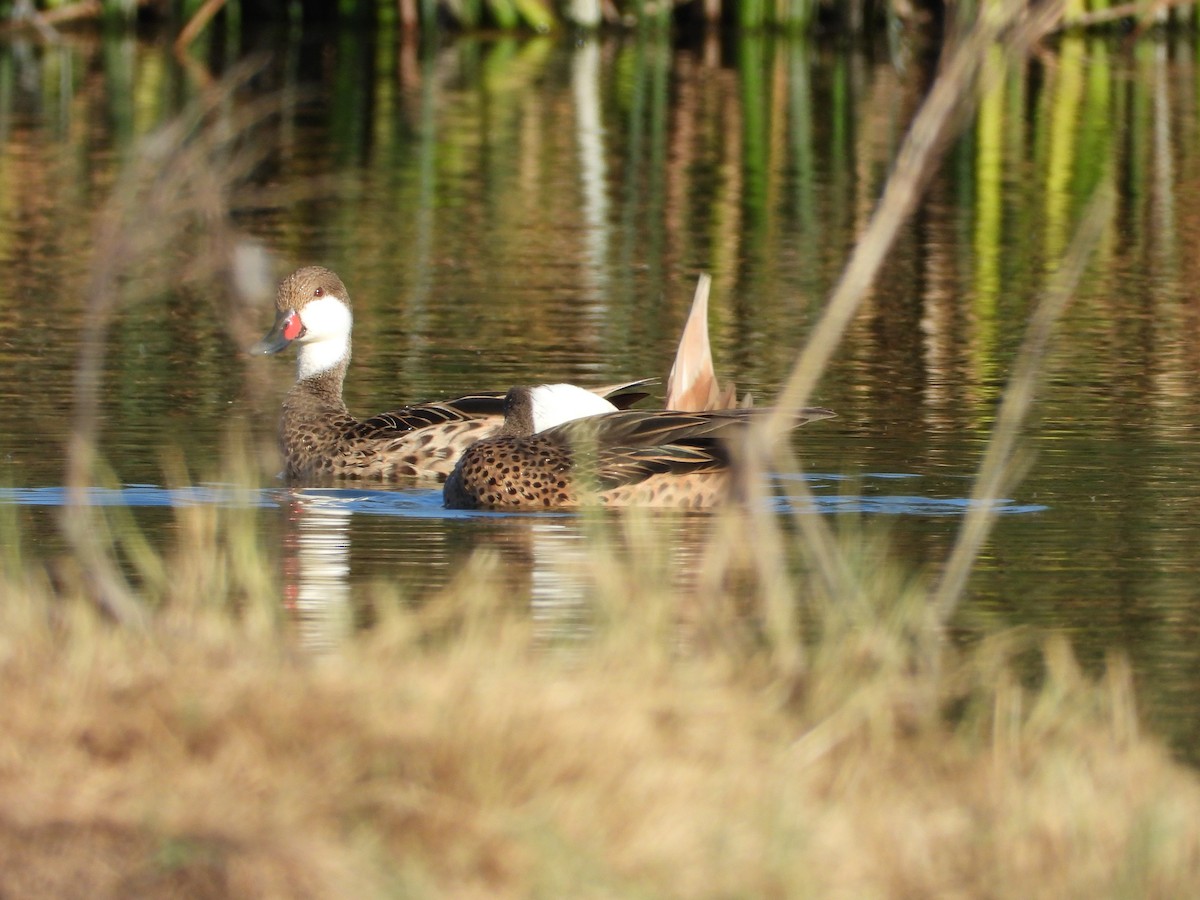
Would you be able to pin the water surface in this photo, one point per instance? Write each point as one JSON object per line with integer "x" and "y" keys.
{"x": 519, "y": 210}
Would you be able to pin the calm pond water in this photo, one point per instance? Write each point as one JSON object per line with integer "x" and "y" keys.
{"x": 517, "y": 210}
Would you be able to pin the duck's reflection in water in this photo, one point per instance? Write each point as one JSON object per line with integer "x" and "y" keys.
{"x": 548, "y": 568}
{"x": 560, "y": 578}
{"x": 316, "y": 568}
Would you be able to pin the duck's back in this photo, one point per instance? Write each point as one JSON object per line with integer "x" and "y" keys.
{"x": 421, "y": 441}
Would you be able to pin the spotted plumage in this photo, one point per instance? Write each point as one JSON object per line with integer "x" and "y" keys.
{"x": 318, "y": 434}
{"x": 659, "y": 458}
{"x": 546, "y": 458}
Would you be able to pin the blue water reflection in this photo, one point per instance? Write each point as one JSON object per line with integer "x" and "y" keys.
{"x": 427, "y": 503}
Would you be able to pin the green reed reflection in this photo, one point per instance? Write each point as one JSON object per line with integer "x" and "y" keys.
{"x": 740, "y": 181}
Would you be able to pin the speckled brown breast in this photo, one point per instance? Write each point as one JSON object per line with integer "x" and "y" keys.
{"x": 510, "y": 474}
{"x": 513, "y": 474}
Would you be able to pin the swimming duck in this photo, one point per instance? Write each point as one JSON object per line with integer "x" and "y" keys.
{"x": 553, "y": 454}
{"x": 318, "y": 434}
{"x": 546, "y": 457}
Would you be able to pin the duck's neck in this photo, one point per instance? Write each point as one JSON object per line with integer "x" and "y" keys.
{"x": 320, "y": 370}
{"x": 326, "y": 355}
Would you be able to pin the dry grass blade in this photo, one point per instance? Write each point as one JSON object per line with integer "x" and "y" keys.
{"x": 952, "y": 96}
{"x": 954, "y": 93}
{"x": 1145, "y": 13}
{"x": 998, "y": 468}
{"x": 173, "y": 198}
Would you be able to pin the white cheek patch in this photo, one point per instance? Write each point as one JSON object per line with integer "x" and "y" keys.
{"x": 326, "y": 338}
{"x": 554, "y": 404}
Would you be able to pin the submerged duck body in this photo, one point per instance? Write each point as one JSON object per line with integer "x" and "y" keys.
{"x": 655, "y": 458}
{"x": 318, "y": 434}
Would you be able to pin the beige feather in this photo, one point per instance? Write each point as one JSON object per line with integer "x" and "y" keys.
{"x": 692, "y": 385}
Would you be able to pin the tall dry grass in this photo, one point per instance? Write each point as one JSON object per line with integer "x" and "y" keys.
{"x": 679, "y": 751}
{"x": 791, "y": 721}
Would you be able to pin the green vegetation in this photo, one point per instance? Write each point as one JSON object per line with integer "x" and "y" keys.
{"x": 786, "y": 16}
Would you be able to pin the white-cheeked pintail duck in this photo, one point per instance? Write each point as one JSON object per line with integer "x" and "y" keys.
{"x": 661, "y": 458}
{"x": 548, "y": 455}
{"x": 318, "y": 434}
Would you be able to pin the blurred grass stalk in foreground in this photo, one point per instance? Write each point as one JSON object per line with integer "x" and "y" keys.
{"x": 966, "y": 74}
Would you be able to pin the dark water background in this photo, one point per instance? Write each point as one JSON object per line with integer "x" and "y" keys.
{"x": 518, "y": 210}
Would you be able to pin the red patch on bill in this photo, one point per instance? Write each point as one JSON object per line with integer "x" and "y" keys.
{"x": 292, "y": 326}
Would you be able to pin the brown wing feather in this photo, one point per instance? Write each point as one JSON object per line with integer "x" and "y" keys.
{"x": 479, "y": 405}
{"x": 424, "y": 415}
{"x": 626, "y": 447}
{"x": 614, "y": 469}
{"x": 632, "y": 429}
{"x": 624, "y": 395}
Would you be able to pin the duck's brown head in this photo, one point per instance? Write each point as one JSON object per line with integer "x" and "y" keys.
{"x": 313, "y": 309}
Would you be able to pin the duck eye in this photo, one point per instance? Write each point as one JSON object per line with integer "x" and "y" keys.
{"x": 319, "y": 292}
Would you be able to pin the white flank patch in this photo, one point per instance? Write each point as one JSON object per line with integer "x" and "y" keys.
{"x": 326, "y": 340}
{"x": 554, "y": 404}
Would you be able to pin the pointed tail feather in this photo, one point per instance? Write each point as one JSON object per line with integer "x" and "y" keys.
{"x": 692, "y": 385}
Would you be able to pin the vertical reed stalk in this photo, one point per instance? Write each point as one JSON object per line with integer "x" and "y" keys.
{"x": 179, "y": 178}
{"x": 944, "y": 111}
{"x": 1001, "y": 460}
{"x": 751, "y": 13}
{"x": 429, "y": 14}
{"x": 951, "y": 96}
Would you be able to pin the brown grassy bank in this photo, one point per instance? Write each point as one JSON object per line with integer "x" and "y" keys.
{"x": 679, "y": 752}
